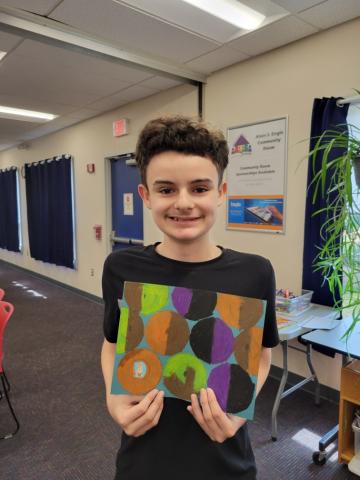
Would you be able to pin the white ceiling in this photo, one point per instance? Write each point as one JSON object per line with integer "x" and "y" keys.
{"x": 169, "y": 35}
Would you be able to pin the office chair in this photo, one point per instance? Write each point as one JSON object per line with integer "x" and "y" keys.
{"x": 6, "y": 310}
{"x": 2, "y": 294}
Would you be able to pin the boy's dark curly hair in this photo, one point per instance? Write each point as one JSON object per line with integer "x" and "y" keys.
{"x": 184, "y": 135}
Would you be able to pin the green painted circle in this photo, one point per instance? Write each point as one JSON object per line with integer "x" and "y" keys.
{"x": 178, "y": 365}
{"x": 153, "y": 298}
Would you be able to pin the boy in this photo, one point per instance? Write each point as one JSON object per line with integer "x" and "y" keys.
{"x": 182, "y": 163}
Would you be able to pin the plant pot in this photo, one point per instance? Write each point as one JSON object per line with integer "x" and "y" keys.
{"x": 356, "y": 165}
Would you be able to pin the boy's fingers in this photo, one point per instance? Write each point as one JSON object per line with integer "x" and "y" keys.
{"x": 147, "y": 419}
{"x": 208, "y": 414}
{"x": 139, "y": 409}
{"x": 197, "y": 413}
{"x": 153, "y": 424}
{"x": 219, "y": 416}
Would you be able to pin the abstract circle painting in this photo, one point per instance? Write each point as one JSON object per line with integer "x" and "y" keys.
{"x": 139, "y": 371}
{"x": 167, "y": 332}
{"x": 212, "y": 340}
{"x": 233, "y": 387}
{"x": 193, "y": 304}
{"x": 184, "y": 374}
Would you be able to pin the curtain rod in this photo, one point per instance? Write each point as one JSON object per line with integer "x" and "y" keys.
{"x": 351, "y": 100}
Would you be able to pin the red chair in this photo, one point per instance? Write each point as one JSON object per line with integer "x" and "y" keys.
{"x": 2, "y": 293}
{"x": 6, "y": 310}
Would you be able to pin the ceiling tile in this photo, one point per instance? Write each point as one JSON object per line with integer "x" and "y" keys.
{"x": 295, "y": 6}
{"x": 274, "y": 35}
{"x": 8, "y": 41}
{"x": 220, "y": 58}
{"x": 331, "y": 13}
{"x": 131, "y": 29}
{"x": 41, "y": 7}
{"x": 121, "y": 98}
{"x": 10, "y": 128}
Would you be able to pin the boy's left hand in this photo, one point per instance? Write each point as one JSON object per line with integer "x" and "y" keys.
{"x": 217, "y": 424}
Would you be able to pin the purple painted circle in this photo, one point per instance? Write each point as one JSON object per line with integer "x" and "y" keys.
{"x": 181, "y": 298}
{"x": 223, "y": 342}
{"x": 219, "y": 381}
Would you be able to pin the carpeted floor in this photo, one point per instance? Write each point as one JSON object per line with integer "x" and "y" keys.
{"x": 52, "y": 350}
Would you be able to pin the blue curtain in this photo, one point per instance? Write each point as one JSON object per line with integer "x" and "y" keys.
{"x": 326, "y": 115}
{"x": 9, "y": 227}
{"x": 50, "y": 211}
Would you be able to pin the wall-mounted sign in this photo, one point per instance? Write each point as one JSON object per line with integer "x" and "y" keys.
{"x": 256, "y": 176}
{"x": 128, "y": 204}
{"x": 120, "y": 127}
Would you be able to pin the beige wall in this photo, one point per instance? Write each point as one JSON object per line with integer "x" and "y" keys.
{"x": 281, "y": 82}
{"x": 285, "y": 82}
{"x": 90, "y": 142}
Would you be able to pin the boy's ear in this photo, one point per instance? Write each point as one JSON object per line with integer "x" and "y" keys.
{"x": 144, "y": 194}
{"x": 222, "y": 192}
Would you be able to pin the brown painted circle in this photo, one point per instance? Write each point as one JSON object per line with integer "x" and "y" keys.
{"x": 167, "y": 332}
{"x": 125, "y": 371}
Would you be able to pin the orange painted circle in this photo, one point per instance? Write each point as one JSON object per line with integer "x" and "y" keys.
{"x": 139, "y": 371}
{"x": 167, "y": 332}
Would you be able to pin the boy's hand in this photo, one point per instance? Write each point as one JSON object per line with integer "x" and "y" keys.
{"x": 137, "y": 414}
{"x": 217, "y": 424}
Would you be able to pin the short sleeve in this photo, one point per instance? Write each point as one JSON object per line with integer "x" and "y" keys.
{"x": 270, "y": 335}
{"x": 112, "y": 287}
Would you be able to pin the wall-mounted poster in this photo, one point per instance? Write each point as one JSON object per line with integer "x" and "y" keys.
{"x": 180, "y": 340}
{"x": 256, "y": 176}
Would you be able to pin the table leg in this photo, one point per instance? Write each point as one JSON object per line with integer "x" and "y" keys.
{"x": 314, "y": 376}
{"x": 280, "y": 391}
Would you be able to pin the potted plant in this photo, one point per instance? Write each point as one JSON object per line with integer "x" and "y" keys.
{"x": 338, "y": 258}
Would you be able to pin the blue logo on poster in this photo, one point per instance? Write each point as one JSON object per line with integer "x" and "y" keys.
{"x": 236, "y": 211}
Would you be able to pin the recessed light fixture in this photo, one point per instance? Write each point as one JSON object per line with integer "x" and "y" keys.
{"x": 2, "y": 55}
{"x": 231, "y": 11}
{"x": 25, "y": 115}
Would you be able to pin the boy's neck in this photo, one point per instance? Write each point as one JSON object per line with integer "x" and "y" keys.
{"x": 188, "y": 253}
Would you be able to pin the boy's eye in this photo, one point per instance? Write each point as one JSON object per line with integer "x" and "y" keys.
{"x": 201, "y": 189}
{"x": 165, "y": 191}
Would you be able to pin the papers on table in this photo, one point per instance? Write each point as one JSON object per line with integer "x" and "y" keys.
{"x": 315, "y": 318}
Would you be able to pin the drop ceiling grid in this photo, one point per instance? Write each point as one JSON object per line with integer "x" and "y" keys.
{"x": 295, "y": 6}
{"x": 219, "y": 58}
{"x": 51, "y": 57}
{"x": 41, "y": 7}
{"x": 133, "y": 30}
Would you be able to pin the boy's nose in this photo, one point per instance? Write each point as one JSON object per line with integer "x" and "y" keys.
{"x": 183, "y": 201}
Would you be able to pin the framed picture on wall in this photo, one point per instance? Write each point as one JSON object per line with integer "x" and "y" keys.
{"x": 256, "y": 176}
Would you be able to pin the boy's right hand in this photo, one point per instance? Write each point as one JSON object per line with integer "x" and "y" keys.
{"x": 136, "y": 414}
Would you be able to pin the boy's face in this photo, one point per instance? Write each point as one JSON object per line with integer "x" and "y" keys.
{"x": 183, "y": 194}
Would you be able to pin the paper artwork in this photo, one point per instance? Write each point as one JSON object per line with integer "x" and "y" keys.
{"x": 181, "y": 340}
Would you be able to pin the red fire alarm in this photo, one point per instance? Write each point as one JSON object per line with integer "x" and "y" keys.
{"x": 98, "y": 232}
{"x": 120, "y": 127}
{"x": 90, "y": 167}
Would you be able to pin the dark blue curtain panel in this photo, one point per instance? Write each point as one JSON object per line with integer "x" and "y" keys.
{"x": 326, "y": 115}
{"x": 50, "y": 212}
{"x": 9, "y": 227}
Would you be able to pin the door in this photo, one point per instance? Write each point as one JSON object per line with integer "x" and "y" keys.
{"x": 127, "y": 207}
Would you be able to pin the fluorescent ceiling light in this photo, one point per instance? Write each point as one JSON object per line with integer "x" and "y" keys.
{"x": 231, "y": 11}
{"x": 26, "y": 115}
{"x": 2, "y": 55}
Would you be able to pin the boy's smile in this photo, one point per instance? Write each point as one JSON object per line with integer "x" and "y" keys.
{"x": 183, "y": 194}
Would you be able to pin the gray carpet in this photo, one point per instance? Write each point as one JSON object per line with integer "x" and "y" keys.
{"x": 52, "y": 351}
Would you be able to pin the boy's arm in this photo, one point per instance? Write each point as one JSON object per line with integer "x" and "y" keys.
{"x": 264, "y": 368}
{"x": 135, "y": 414}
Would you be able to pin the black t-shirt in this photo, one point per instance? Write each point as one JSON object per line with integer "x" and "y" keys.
{"x": 177, "y": 448}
